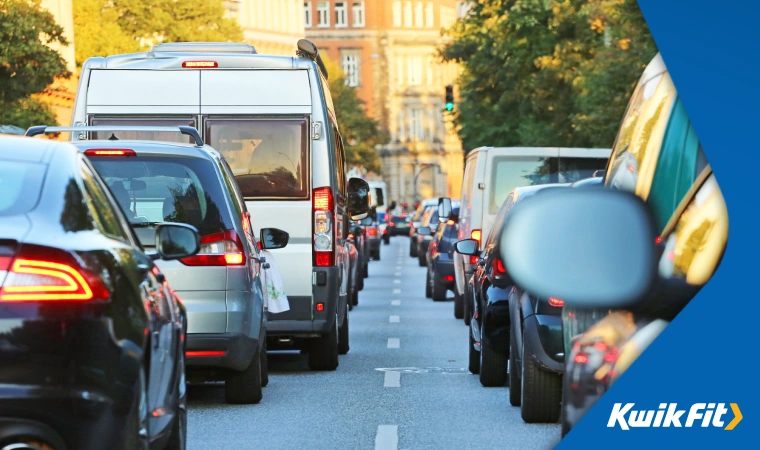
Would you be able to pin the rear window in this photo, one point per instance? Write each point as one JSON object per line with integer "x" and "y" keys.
{"x": 267, "y": 157}
{"x": 152, "y": 189}
{"x": 144, "y": 135}
{"x": 379, "y": 197}
{"x": 20, "y": 186}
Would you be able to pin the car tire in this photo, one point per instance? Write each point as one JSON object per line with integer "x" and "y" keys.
{"x": 566, "y": 427}
{"x": 514, "y": 375}
{"x": 412, "y": 248}
{"x": 541, "y": 391}
{"x": 376, "y": 255}
{"x": 355, "y": 297}
{"x": 323, "y": 354}
{"x": 264, "y": 364}
{"x": 493, "y": 366}
{"x": 244, "y": 387}
{"x": 359, "y": 284}
{"x": 422, "y": 259}
{"x": 343, "y": 345}
{"x": 365, "y": 272}
{"x": 387, "y": 240}
{"x": 474, "y": 356}
{"x": 439, "y": 289}
{"x": 428, "y": 287}
{"x": 136, "y": 433}
{"x": 178, "y": 436}
{"x": 458, "y": 305}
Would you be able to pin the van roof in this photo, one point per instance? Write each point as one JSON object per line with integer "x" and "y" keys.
{"x": 205, "y": 47}
{"x": 174, "y": 57}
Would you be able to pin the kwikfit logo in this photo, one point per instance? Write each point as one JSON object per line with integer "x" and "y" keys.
{"x": 668, "y": 415}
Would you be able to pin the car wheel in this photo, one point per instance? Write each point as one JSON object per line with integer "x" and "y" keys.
{"x": 541, "y": 391}
{"x": 422, "y": 259}
{"x": 376, "y": 255}
{"x": 365, "y": 272}
{"x": 428, "y": 287}
{"x": 136, "y": 428}
{"x": 359, "y": 284}
{"x": 387, "y": 240}
{"x": 514, "y": 375}
{"x": 439, "y": 289}
{"x": 244, "y": 387}
{"x": 178, "y": 436}
{"x": 493, "y": 366}
{"x": 323, "y": 354}
{"x": 565, "y": 401}
{"x": 458, "y": 305}
{"x": 474, "y": 355}
{"x": 343, "y": 346}
{"x": 412, "y": 249}
{"x": 467, "y": 306}
{"x": 355, "y": 297}
{"x": 264, "y": 364}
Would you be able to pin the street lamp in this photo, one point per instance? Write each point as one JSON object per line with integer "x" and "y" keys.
{"x": 424, "y": 168}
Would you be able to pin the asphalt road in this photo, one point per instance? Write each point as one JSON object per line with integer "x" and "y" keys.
{"x": 403, "y": 385}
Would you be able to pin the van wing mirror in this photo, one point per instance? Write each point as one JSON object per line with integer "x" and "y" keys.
{"x": 444, "y": 209}
{"x": 589, "y": 260}
{"x": 467, "y": 247}
{"x": 272, "y": 238}
{"x": 358, "y": 198}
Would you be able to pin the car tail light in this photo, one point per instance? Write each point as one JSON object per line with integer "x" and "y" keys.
{"x": 200, "y": 64}
{"x": 218, "y": 249}
{"x": 350, "y": 236}
{"x": 450, "y": 222}
{"x": 557, "y": 303}
{"x": 324, "y": 254}
{"x": 475, "y": 234}
{"x": 581, "y": 358}
{"x": 391, "y": 224}
{"x": 499, "y": 268}
{"x": 612, "y": 355}
{"x": 448, "y": 278}
{"x": 658, "y": 240}
{"x": 204, "y": 353}
{"x": 47, "y": 274}
{"x": 601, "y": 346}
{"x": 109, "y": 152}
{"x": 372, "y": 231}
{"x": 320, "y": 307}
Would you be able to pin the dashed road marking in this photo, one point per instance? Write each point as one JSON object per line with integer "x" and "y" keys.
{"x": 395, "y": 302}
{"x": 397, "y": 291}
{"x": 396, "y": 281}
{"x": 392, "y": 379}
{"x": 394, "y": 343}
{"x": 394, "y": 319}
{"x": 387, "y": 437}
{"x": 398, "y": 274}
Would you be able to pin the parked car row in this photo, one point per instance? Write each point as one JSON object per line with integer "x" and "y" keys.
{"x": 570, "y": 262}
{"x": 95, "y": 231}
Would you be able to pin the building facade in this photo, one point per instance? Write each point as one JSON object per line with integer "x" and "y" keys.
{"x": 272, "y": 26}
{"x": 388, "y": 50}
{"x": 60, "y": 95}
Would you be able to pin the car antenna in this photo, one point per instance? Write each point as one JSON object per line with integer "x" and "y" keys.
{"x": 113, "y": 137}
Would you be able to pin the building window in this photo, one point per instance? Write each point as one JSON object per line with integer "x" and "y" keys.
{"x": 341, "y": 19}
{"x": 416, "y": 133}
{"x": 323, "y": 14}
{"x": 350, "y": 65}
{"x": 408, "y": 14}
{"x": 358, "y": 11}
{"x": 307, "y": 14}
{"x": 401, "y": 130}
{"x": 430, "y": 64}
{"x": 418, "y": 17}
{"x": 429, "y": 19}
{"x": 396, "y": 14}
{"x": 414, "y": 71}
{"x": 400, "y": 70}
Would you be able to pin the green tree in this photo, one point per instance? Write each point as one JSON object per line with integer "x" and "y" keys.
{"x": 360, "y": 133}
{"x": 26, "y": 112}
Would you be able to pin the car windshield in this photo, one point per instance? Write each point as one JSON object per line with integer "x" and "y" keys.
{"x": 152, "y": 189}
{"x": 20, "y": 186}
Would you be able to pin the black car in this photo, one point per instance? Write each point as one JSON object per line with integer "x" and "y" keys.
{"x": 356, "y": 235}
{"x": 491, "y": 324}
{"x": 92, "y": 337}
{"x": 399, "y": 225}
{"x": 414, "y": 224}
{"x": 440, "y": 262}
{"x": 430, "y": 224}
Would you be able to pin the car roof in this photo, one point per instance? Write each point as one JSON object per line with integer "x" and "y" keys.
{"x": 13, "y": 148}
{"x": 151, "y": 147}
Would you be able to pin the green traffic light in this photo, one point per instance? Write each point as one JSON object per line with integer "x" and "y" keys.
{"x": 449, "y": 106}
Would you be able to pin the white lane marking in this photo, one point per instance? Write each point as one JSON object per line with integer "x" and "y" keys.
{"x": 396, "y": 281}
{"x": 387, "y": 437}
{"x": 394, "y": 319}
{"x": 398, "y": 267}
{"x": 397, "y": 291}
{"x": 392, "y": 379}
{"x": 395, "y": 302}
{"x": 397, "y": 274}
{"x": 394, "y": 343}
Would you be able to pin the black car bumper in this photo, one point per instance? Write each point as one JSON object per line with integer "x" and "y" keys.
{"x": 374, "y": 244}
{"x": 226, "y": 350}
{"x": 444, "y": 271}
{"x": 543, "y": 338}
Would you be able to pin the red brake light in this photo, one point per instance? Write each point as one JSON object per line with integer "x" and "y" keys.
{"x": 218, "y": 249}
{"x": 320, "y": 307}
{"x": 324, "y": 259}
{"x": 581, "y": 358}
{"x": 109, "y": 152}
{"x": 323, "y": 199}
{"x": 448, "y": 278}
{"x": 500, "y": 269}
{"x": 350, "y": 236}
{"x": 658, "y": 240}
{"x": 612, "y": 355}
{"x": 391, "y": 224}
{"x": 200, "y": 64}
{"x": 206, "y": 353}
{"x": 372, "y": 231}
{"x": 557, "y": 303}
{"x": 601, "y": 346}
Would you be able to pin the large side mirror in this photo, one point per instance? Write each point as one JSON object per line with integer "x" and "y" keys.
{"x": 425, "y": 231}
{"x": 367, "y": 221}
{"x": 467, "y": 247}
{"x": 358, "y": 198}
{"x": 272, "y": 238}
{"x": 590, "y": 260}
{"x": 355, "y": 230}
{"x": 176, "y": 241}
{"x": 416, "y": 225}
{"x": 444, "y": 209}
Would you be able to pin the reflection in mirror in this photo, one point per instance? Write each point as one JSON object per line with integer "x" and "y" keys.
{"x": 424, "y": 231}
{"x": 358, "y": 198}
{"x": 467, "y": 247}
{"x": 177, "y": 240}
{"x": 444, "y": 209}
{"x": 272, "y": 238}
{"x": 367, "y": 221}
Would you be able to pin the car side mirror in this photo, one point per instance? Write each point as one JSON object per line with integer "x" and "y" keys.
{"x": 367, "y": 221}
{"x": 272, "y": 238}
{"x": 416, "y": 224}
{"x": 424, "y": 231}
{"x": 444, "y": 209}
{"x": 176, "y": 241}
{"x": 467, "y": 247}
{"x": 589, "y": 260}
{"x": 358, "y": 198}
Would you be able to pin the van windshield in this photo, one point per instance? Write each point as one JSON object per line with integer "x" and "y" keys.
{"x": 268, "y": 157}
{"x": 509, "y": 172}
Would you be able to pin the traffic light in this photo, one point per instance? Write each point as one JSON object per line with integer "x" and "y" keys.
{"x": 449, "y": 98}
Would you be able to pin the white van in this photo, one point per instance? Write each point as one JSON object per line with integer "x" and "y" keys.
{"x": 273, "y": 119}
{"x": 378, "y": 194}
{"x": 491, "y": 173}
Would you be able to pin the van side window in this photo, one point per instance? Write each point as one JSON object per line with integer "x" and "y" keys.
{"x": 144, "y": 135}
{"x": 340, "y": 157}
{"x": 467, "y": 187}
{"x": 499, "y": 221}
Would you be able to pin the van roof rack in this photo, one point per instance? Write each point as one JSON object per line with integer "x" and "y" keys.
{"x": 43, "y": 129}
{"x": 307, "y": 49}
{"x": 205, "y": 47}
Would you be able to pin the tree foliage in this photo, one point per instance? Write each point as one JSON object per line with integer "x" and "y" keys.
{"x": 108, "y": 27}
{"x": 547, "y": 72}
{"x": 26, "y": 112}
{"x": 27, "y": 64}
{"x": 360, "y": 133}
